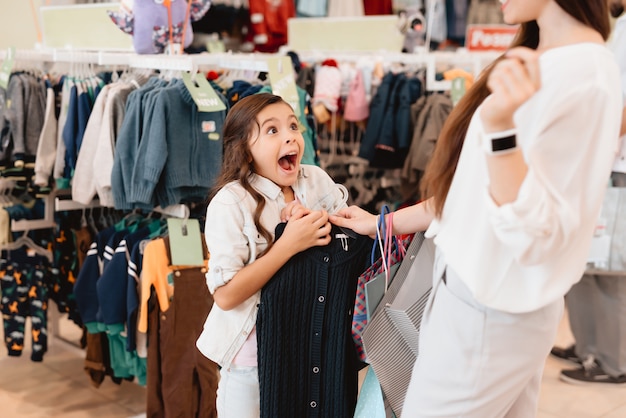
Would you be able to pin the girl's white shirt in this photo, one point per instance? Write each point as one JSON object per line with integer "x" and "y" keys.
{"x": 233, "y": 242}
{"x": 522, "y": 256}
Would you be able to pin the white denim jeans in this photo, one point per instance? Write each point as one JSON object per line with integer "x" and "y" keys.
{"x": 477, "y": 362}
{"x": 238, "y": 392}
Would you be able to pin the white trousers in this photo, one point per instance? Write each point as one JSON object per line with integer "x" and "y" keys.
{"x": 478, "y": 362}
{"x": 238, "y": 393}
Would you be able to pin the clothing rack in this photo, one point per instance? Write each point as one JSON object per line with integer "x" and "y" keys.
{"x": 228, "y": 60}
{"x": 46, "y": 222}
{"x": 63, "y": 202}
{"x": 431, "y": 60}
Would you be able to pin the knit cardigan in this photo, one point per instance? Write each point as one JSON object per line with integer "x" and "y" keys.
{"x": 307, "y": 360}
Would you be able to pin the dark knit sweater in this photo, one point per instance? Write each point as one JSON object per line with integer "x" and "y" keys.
{"x": 307, "y": 360}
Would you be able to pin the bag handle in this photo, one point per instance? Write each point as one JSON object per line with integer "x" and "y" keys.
{"x": 386, "y": 241}
{"x": 380, "y": 233}
{"x": 389, "y": 240}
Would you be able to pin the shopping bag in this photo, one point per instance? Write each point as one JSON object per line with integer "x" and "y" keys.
{"x": 391, "y": 338}
{"x": 375, "y": 288}
{"x": 370, "y": 403}
{"x": 373, "y": 283}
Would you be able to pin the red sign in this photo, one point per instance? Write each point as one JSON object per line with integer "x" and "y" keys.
{"x": 489, "y": 37}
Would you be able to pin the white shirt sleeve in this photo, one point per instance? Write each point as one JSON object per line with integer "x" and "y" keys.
{"x": 227, "y": 242}
{"x": 563, "y": 160}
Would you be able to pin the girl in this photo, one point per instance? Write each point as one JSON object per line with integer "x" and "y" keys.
{"x": 261, "y": 177}
{"x": 513, "y": 192}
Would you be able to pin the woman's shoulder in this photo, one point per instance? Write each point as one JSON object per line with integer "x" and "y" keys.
{"x": 585, "y": 67}
{"x": 575, "y": 56}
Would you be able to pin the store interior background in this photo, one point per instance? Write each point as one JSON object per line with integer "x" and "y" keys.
{"x": 58, "y": 386}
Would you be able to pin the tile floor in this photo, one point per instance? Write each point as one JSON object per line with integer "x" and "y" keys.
{"x": 58, "y": 387}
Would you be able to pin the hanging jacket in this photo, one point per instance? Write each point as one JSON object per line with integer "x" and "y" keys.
{"x": 376, "y": 122}
{"x": 269, "y": 23}
{"x": 127, "y": 144}
{"x": 386, "y": 144}
{"x": 180, "y": 153}
{"x": 85, "y": 289}
{"x": 46, "y": 148}
{"x": 433, "y": 112}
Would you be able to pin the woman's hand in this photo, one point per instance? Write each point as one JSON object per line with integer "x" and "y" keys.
{"x": 357, "y": 219}
{"x": 513, "y": 81}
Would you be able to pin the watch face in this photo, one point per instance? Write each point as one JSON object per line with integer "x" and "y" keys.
{"x": 503, "y": 144}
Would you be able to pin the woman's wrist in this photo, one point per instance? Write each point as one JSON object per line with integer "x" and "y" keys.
{"x": 378, "y": 223}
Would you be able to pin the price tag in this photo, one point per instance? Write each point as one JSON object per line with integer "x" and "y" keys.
{"x": 185, "y": 242}
{"x": 7, "y": 67}
{"x": 457, "y": 90}
{"x": 283, "y": 80}
{"x": 215, "y": 46}
{"x": 203, "y": 94}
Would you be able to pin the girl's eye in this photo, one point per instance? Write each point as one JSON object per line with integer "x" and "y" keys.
{"x": 272, "y": 130}
{"x": 294, "y": 126}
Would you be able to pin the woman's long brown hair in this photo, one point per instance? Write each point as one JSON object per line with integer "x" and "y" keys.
{"x": 239, "y": 127}
{"x": 442, "y": 165}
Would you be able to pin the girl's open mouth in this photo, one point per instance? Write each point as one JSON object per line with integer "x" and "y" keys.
{"x": 288, "y": 162}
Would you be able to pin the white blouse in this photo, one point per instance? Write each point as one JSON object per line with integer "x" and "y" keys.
{"x": 526, "y": 254}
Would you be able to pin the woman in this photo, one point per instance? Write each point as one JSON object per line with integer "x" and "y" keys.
{"x": 513, "y": 191}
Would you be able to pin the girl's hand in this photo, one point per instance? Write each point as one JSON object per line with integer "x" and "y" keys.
{"x": 293, "y": 208}
{"x": 306, "y": 229}
{"x": 513, "y": 81}
{"x": 357, "y": 219}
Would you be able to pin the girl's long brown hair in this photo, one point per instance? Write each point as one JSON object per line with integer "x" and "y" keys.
{"x": 440, "y": 170}
{"x": 239, "y": 127}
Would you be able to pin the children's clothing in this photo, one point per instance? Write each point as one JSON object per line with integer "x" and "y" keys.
{"x": 24, "y": 294}
{"x": 187, "y": 388}
{"x": 308, "y": 365}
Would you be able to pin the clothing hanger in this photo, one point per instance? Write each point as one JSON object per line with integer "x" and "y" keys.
{"x": 357, "y": 182}
{"x": 112, "y": 217}
{"x": 26, "y": 241}
{"x": 91, "y": 222}
{"x": 6, "y": 198}
{"x": 131, "y": 219}
{"x": 103, "y": 220}
{"x": 83, "y": 219}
